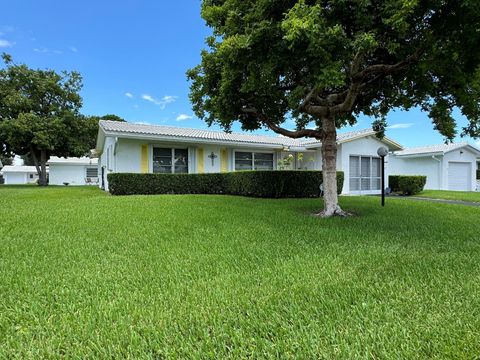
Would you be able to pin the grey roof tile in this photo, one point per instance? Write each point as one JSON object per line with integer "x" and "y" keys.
{"x": 433, "y": 149}
{"x": 161, "y": 130}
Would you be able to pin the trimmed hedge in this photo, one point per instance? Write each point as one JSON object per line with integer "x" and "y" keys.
{"x": 406, "y": 184}
{"x": 268, "y": 184}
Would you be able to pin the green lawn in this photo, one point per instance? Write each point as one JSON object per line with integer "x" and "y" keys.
{"x": 87, "y": 275}
{"x": 451, "y": 195}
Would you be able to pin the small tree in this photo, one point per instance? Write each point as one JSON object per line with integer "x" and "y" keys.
{"x": 323, "y": 62}
{"x": 39, "y": 114}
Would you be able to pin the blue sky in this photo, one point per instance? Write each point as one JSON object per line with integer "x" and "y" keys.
{"x": 133, "y": 55}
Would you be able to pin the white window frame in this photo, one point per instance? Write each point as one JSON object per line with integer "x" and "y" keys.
{"x": 370, "y": 178}
{"x": 172, "y": 157}
{"x": 253, "y": 158}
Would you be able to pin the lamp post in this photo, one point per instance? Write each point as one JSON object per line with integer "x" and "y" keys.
{"x": 382, "y": 152}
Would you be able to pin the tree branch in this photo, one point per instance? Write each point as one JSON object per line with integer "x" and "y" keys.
{"x": 295, "y": 134}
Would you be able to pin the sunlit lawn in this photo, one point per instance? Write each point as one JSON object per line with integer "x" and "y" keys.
{"x": 88, "y": 275}
{"x": 452, "y": 195}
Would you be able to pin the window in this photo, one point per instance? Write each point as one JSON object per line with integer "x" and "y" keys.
{"x": 253, "y": 161}
{"x": 365, "y": 173}
{"x": 91, "y": 172}
{"x": 31, "y": 176}
{"x": 168, "y": 161}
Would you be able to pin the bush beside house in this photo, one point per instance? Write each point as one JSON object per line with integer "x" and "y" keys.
{"x": 407, "y": 185}
{"x": 268, "y": 184}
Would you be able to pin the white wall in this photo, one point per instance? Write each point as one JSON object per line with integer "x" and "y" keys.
{"x": 71, "y": 174}
{"x": 18, "y": 178}
{"x": 103, "y": 162}
{"x": 426, "y": 166}
{"x": 436, "y": 171}
{"x": 15, "y": 178}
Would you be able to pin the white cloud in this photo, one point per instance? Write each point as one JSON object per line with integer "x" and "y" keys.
{"x": 401, "y": 126}
{"x": 129, "y": 95}
{"x": 5, "y": 43}
{"x": 183, "y": 117}
{"x": 163, "y": 102}
{"x": 44, "y": 50}
{"x": 73, "y": 49}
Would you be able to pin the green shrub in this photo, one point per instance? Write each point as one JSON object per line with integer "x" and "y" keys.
{"x": 269, "y": 184}
{"x": 406, "y": 184}
{"x": 149, "y": 184}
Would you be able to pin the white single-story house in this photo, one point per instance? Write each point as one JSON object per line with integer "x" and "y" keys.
{"x": 19, "y": 174}
{"x": 73, "y": 171}
{"x": 447, "y": 166}
{"x": 138, "y": 148}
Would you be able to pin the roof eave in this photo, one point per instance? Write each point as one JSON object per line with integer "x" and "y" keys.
{"x": 420, "y": 155}
{"x": 100, "y": 139}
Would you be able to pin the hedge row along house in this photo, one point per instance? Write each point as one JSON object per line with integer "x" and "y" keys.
{"x": 138, "y": 148}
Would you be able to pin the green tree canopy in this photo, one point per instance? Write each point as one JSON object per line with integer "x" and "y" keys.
{"x": 39, "y": 114}
{"x": 324, "y": 62}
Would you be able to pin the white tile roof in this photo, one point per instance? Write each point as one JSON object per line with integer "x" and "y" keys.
{"x": 434, "y": 149}
{"x": 18, "y": 169}
{"x": 118, "y": 127}
{"x": 54, "y": 160}
{"x": 161, "y": 130}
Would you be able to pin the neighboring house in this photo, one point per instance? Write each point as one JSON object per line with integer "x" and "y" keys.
{"x": 19, "y": 174}
{"x": 73, "y": 171}
{"x": 447, "y": 166}
{"x": 134, "y": 148}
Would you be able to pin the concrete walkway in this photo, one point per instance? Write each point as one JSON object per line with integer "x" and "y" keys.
{"x": 441, "y": 201}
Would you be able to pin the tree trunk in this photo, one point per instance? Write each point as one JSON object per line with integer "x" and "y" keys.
{"x": 329, "y": 169}
{"x": 43, "y": 168}
{"x": 40, "y": 165}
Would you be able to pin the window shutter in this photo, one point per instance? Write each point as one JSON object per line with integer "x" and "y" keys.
{"x": 200, "y": 161}
{"x": 144, "y": 159}
{"x": 223, "y": 160}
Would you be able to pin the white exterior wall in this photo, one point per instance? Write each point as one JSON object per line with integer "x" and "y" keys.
{"x": 106, "y": 161}
{"x": 425, "y": 166}
{"x": 19, "y": 178}
{"x": 434, "y": 168}
{"x": 71, "y": 174}
{"x": 366, "y": 146}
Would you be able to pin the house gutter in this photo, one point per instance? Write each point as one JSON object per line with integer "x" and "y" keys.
{"x": 440, "y": 172}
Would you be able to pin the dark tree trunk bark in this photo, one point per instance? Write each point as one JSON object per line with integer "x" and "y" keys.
{"x": 43, "y": 169}
{"x": 329, "y": 169}
{"x": 40, "y": 165}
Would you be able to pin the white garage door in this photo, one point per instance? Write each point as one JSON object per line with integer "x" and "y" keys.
{"x": 459, "y": 176}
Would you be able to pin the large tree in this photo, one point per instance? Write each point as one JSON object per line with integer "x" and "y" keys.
{"x": 39, "y": 114}
{"x": 324, "y": 62}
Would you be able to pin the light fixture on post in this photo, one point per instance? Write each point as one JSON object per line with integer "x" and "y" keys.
{"x": 382, "y": 152}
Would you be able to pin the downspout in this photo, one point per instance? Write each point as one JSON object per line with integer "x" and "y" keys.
{"x": 440, "y": 175}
